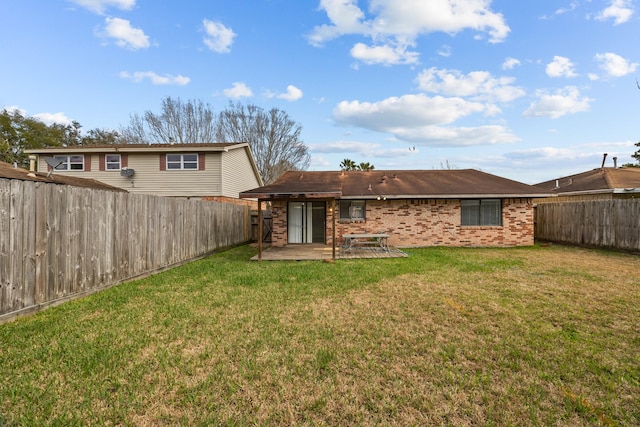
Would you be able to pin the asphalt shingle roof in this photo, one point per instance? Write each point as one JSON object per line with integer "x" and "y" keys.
{"x": 594, "y": 180}
{"x": 461, "y": 183}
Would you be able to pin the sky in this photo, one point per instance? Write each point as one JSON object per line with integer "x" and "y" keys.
{"x": 527, "y": 90}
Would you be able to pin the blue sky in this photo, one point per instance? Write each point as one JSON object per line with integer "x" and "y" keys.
{"x": 526, "y": 90}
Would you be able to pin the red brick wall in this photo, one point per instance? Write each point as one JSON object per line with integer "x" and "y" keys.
{"x": 415, "y": 223}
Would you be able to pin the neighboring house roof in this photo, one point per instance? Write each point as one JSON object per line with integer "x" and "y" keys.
{"x": 602, "y": 180}
{"x": 117, "y": 148}
{"x": 8, "y": 171}
{"x": 393, "y": 184}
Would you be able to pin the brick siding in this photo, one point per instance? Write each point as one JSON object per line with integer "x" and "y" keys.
{"x": 424, "y": 222}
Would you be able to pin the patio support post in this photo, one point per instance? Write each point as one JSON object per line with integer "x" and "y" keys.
{"x": 259, "y": 230}
{"x": 333, "y": 228}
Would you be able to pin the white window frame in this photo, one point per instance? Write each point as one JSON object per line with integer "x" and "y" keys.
{"x": 71, "y": 162}
{"x": 353, "y": 210}
{"x": 112, "y": 162}
{"x": 179, "y": 161}
{"x": 481, "y": 212}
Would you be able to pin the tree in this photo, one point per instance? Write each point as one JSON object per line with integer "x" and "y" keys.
{"x": 273, "y": 136}
{"x": 19, "y": 133}
{"x": 447, "y": 165}
{"x": 348, "y": 165}
{"x": 101, "y": 136}
{"x": 365, "y": 166}
{"x": 636, "y": 156}
{"x": 180, "y": 122}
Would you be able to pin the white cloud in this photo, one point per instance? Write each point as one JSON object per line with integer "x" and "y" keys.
{"x": 345, "y": 17}
{"x": 573, "y": 6}
{"x": 395, "y": 25}
{"x": 480, "y": 85}
{"x": 46, "y": 118}
{"x": 219, "y": 38}
{"x": 384, "y": 54}
{"x": 292, "y": 94}
{"x": 125, "y": 35}
{"x": 510, "y": 63}
{"x": 14, "y": 109}
{"x": 365, "y": 150}
{"x": 99, "y": 6}
{"x": 619, "y": 10}
{"x": 405, "y": 111}
{"x": 457, "y": 136}
{"x": 155, "y": 79}
{"x": 562, "y": 102}
{"x": 421, "y": 119}
{"x": 615, "y": 65}
{"x": 238, "y": 90}
{"x": 560, "y": 67}
{"x": 445, "y": 51}
{"x": 51, "y": 118}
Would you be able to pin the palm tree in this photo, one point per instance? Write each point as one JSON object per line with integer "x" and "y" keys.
{"x": 366, "y": 166}
{"x": 348, "y": 165}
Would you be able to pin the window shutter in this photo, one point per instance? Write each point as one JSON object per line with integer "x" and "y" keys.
{"x": 201, "y": 161}
{"x": 124, "y": 160}
{"x": 163, "y": 162}
{"x": 87, "y": 163}
{"x": 101, "y": 162}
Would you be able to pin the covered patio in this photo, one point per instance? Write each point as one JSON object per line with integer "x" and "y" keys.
{"x": 309, "y": 252}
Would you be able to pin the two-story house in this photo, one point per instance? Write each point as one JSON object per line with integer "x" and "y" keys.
{"x": 210, "y": 171}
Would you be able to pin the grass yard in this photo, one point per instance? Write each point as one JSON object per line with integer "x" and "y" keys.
{"x": 509, "y": 337}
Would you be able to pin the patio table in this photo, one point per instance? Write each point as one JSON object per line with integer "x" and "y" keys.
{"x": 365, "y": 239}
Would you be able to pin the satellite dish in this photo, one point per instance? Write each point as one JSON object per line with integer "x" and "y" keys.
{"x": 127, "y": 173}
{"x": 53, "y": 163}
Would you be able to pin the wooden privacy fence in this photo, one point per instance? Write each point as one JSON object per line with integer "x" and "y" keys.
{"x": 599, "y": 223}
{"x": 57, "y": 241}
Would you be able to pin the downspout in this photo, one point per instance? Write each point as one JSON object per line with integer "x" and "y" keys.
{"x": 259, "y": 230}
{"x": 333, "y": 220}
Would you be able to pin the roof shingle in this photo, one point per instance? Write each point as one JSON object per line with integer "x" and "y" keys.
{"x": 462, "y": 183}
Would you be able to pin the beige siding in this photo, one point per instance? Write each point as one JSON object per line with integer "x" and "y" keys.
{"x": 149, "y": 179}
{"x": 237, "y": 173}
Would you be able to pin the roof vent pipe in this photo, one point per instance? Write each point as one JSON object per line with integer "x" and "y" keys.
{"x": 557, "y": 184}
{"x": 615, "y": 162}
{"x": 32, "y": 166}
{"x": 604, "y": 157}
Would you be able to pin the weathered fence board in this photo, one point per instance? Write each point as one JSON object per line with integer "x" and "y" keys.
{"x": 59, "y": 241}
{"x": 599, "y": 223}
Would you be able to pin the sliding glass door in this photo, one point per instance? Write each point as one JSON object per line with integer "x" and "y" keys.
{"x": 306, "y": 222}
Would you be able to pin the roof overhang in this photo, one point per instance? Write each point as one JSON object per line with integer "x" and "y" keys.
{"x": 338, "y": 195}
{"x": 137, "y": 148}
{"x": 602, "y": 191}
{"x": 301, "y": 195}
{"x": 447, "y": 196}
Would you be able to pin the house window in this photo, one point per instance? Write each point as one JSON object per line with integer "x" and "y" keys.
{"x": 112, "y": 162}
{"x": 182, "y": 161}
{"x": 70, "y": 163}
{"x": 352, "y": 210}
{"x": 481, "y": 212}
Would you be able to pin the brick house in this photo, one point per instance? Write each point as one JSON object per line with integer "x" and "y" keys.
{"x": 413, "y": 207}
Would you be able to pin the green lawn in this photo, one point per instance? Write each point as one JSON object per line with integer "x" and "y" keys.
{"x": 546, "y": 335}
